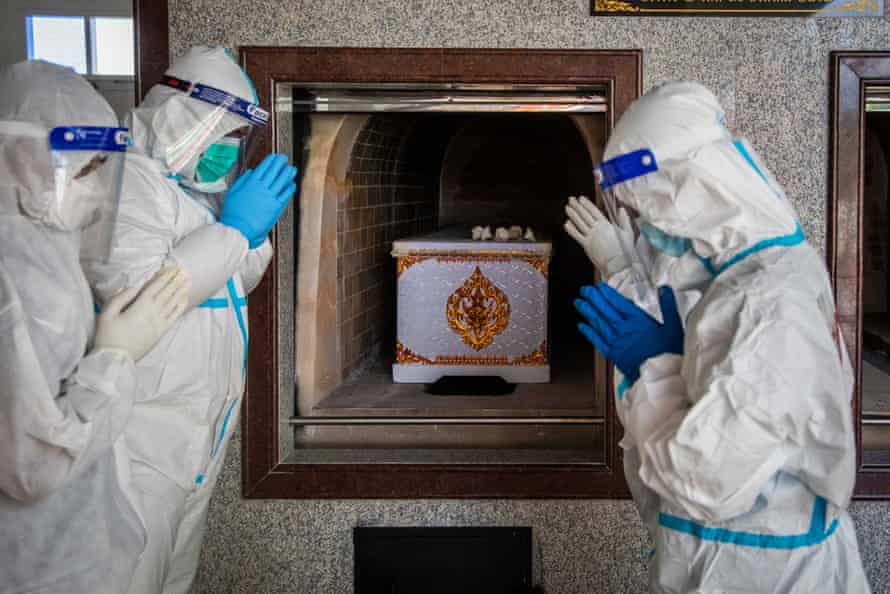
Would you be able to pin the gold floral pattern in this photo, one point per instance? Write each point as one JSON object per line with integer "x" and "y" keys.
{"x": 538, "y": 357}
{"x": 406, "y": 355}
{"x": 472, "y": 360}
{"x": 537, "y": 262}
{"x": 478, "y": 311}
{"x": 403, "y": 263}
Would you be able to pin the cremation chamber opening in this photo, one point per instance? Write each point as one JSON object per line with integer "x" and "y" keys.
{"x": 373, "y": 179}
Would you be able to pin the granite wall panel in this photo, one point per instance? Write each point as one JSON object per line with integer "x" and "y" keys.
{"x": 771, "y": 74}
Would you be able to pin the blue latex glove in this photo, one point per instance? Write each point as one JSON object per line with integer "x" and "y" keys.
{"x": 625, "y": 334}
{"x": 258, "y": 197}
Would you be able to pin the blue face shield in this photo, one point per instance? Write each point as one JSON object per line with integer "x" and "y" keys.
{"x": 665, "y": 243}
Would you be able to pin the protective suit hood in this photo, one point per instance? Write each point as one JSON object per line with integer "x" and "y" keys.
{"x": 176, "y": 129}
{"x": 69, "y": 100}
{"x": 35, "y": 97}
{"x": 707, "y": 187}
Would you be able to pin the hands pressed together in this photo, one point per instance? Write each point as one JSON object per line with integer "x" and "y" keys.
{"x": 594, "y": 232}
{"x": 623, "y": 332}
{"x": 258, "y": 197}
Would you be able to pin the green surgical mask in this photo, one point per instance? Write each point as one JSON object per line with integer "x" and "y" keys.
{"x": 217, "y": 160}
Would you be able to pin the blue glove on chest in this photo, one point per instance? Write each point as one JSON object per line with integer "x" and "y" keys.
{"x": 625, "y": 334}
{"x": 258, "y": 197}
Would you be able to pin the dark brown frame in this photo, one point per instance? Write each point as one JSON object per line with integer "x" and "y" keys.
{"x": 263, "y": 474}
{"x": 264, "y": 477}
{"x": 152, "y": 43}
{"x": 851, "y": 72}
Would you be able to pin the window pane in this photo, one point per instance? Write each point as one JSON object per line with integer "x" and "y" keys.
{"x": 875, "y": 380}
{"x": 113, "y": 46}
{"x": 58, "y": 39}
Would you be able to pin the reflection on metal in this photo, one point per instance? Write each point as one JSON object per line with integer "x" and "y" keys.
{"x": 875, "y": 419}
{"x": 322, "y": 98}
{"x": 858, "y": 6}
{"x": 478, "y": 311}
{"x": 877, "y": 98}
{"x": 446, "y": 421}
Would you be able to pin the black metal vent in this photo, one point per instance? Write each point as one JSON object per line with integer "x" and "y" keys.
{"x": 443, "y": 561}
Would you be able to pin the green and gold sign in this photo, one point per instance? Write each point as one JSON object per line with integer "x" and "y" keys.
{"x": 787, "y": 8}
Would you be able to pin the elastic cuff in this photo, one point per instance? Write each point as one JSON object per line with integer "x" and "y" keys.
{"x": 255, "y": 243}
{"x": 623, "y": 386}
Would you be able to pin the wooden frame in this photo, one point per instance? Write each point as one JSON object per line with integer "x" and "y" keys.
{"x": 851, "y": 72}
{"x": 152, "y": 43}
{"x": 263, "y": 474}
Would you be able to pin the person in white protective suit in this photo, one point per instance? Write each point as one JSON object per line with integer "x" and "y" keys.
{"x": 738, "y": 420}
{"x": 178, "y": 206}
{"x": 683, "y": 272}
{"x": 67, "y": 378}
{"x": 599, "y": 238}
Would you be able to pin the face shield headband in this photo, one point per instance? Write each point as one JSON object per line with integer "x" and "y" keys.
{"x": 196, "y": 158}
{"x": 251, "y": 112}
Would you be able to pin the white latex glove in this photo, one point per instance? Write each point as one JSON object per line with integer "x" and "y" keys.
{"x": 592, "y": 230}
{"x": 135, "y": 319}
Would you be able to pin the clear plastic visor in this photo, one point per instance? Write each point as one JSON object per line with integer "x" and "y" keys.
{"x": 223, "y": 117}
{"x": 68, "y": 177}
{"x": 612, "y": 177}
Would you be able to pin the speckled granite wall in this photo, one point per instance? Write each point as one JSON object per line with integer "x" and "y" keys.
{"x": 772, "y": 77}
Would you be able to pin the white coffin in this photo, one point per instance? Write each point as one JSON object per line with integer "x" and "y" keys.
{"x": 471, "y": 308}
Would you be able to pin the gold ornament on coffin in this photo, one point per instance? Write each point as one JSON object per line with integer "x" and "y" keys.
{"x": 403, "y": 263}
{"x": 406, "y": 355}
{"x": 478, "y": 311}
{"x": 538, "y": 357}
{"x": 486, "y": 360}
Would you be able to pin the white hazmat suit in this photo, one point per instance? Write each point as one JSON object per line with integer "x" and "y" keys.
{"x": 67, "y": 524}
{"x": 739, "y": 451}
{"x": 193, "y": 380}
